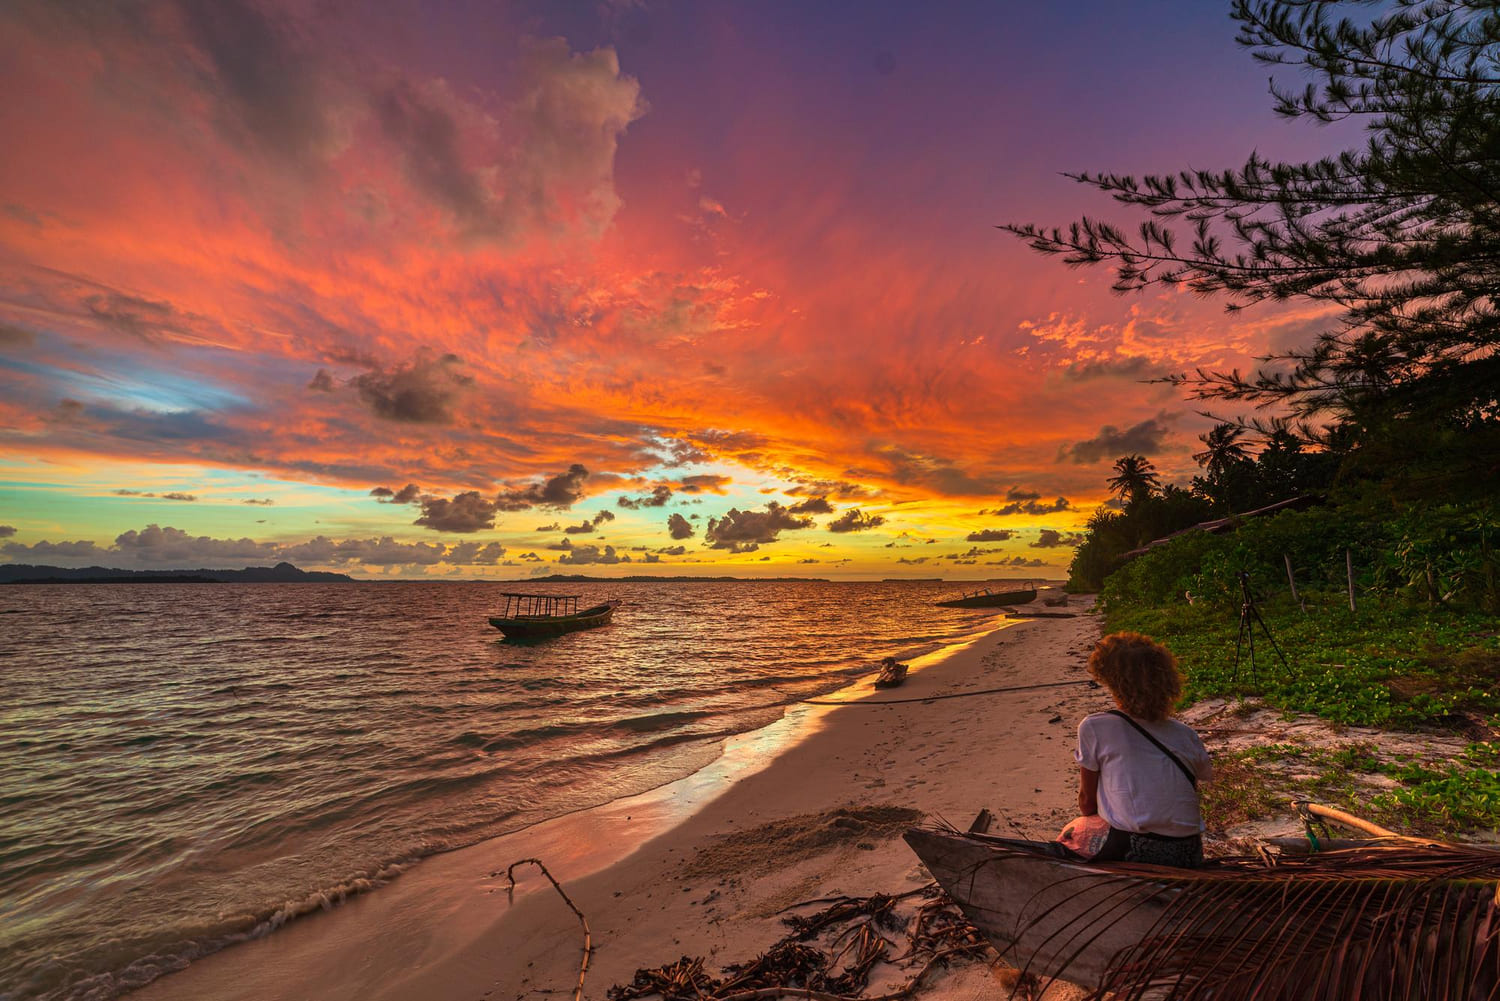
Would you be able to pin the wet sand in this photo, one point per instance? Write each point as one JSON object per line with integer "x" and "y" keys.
{"x": 810, "y": 807}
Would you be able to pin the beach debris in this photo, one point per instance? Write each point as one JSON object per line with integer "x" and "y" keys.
{"x": 892, "y": 673}
{"x": 827, "y": 955}
{"x": 588, "y": 943}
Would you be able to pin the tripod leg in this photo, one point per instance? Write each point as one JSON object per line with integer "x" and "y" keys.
{"x": 1267, "y": 630}
{"x": 1239, "y": 639}
{"x": 1250, "y": 638}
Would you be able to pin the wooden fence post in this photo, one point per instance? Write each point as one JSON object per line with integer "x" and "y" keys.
{"x": 1292, "y": 582}
{"x": 1349, "y": 572}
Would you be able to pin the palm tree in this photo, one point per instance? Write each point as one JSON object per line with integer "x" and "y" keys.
{"x": 1135, "y": 478}
{"x": 1222, "y": 450}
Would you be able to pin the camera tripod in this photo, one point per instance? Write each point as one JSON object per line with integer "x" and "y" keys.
{"x": 1249, "y": 618}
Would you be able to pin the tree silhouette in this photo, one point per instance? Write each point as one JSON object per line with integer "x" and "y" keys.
{"x": 1222, "y": 449}
{"x": 1135, "y": 478}
{"x": 1400, "y": 236}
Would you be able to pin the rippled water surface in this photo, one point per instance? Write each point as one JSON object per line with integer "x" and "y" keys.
{"x": 185, "y": 765}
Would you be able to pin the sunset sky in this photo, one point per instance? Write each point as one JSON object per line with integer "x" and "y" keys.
{"x": 490, "y": 289}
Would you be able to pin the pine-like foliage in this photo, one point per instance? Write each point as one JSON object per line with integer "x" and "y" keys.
{"x": 1401, "y": 235}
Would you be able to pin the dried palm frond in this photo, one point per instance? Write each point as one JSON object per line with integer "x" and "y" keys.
{"x": 1392, "y": 920}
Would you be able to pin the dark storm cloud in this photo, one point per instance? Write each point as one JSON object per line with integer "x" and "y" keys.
{"x": 658, "y": 497}
{"x": 6, "y": 531}
{"x": 1050, "y": 538}
{"x": 1017, "y": 493}
{"x": 322, "y": 382}
{"x": 743, "y": 531}
{"x": 561, "y": 491}
{"x": 679, "y": 527}
{"x": 813, "y": 505}
{"x": 1146, "y": 437}
{"x": 855, "y": 520}
{"x": 422, "y": 392}
{"x": 409, "y": 494}
{"x": 990, "y": 535}
{"x": 673, "y": 551}
{"x": 466, "y": 512}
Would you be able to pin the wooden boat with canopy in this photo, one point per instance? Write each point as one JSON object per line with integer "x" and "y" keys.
{"x": 1381, "y": 916}
{"x": 532, "y": 616}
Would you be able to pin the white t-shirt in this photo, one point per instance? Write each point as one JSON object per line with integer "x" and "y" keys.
{"x": 1140, "y": 789}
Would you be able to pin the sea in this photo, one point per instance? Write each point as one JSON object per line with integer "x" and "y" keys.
{"x": 187, "y": 766}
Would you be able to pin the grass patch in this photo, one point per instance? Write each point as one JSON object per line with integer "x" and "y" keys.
{"x": 1387, "y": 665}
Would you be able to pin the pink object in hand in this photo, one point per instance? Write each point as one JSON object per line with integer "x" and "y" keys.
{"x": 1086, "y": 835}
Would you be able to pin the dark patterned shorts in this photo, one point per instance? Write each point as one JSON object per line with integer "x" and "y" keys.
{"x": 1154, "y": 849}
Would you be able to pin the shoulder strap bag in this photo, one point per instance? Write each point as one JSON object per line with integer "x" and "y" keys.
{"x": 1160, "y": 746}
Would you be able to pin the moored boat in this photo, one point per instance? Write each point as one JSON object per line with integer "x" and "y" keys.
{"x": 986, "y": 598}
{"x": 1390, "y": 917}
{"x": 534, "y": 616}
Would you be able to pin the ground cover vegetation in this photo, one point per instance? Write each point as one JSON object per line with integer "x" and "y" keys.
{"x": 1388, "y": 420}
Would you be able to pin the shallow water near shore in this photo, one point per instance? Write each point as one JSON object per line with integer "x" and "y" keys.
{"x": 189, "y": 765}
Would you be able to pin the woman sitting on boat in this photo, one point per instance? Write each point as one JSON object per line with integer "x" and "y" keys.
{"x": 1139, "y": 769}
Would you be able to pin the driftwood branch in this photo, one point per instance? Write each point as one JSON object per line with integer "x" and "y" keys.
{"x": 588, "y": 944}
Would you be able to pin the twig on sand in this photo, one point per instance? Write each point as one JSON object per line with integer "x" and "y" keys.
{"x": 588, "y": 944}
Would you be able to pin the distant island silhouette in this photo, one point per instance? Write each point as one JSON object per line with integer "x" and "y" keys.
{"x": 281, "y": 573}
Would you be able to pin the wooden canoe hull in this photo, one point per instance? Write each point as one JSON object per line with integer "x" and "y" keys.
{"x": 993, "y": 600}
{"x": 537, "y": 626}
{"x": 1048, "y": 916}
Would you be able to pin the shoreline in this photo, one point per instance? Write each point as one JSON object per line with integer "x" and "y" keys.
{"x": 455, "y": 890}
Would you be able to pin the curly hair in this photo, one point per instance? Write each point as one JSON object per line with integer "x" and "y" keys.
{"x": 1140, "y": 672}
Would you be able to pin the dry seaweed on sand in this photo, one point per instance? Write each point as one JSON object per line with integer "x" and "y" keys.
{"x": 828, "y": 953}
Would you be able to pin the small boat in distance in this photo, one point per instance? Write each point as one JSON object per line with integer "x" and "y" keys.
{"x": 534, "y": 616}
{"x": 986, "y": 598}
{"x": 891, "y": 673}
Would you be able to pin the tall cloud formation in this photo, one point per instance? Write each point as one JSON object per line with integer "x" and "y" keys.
{"x": 746, "y": 531}
{"x": 679, "y": 527}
